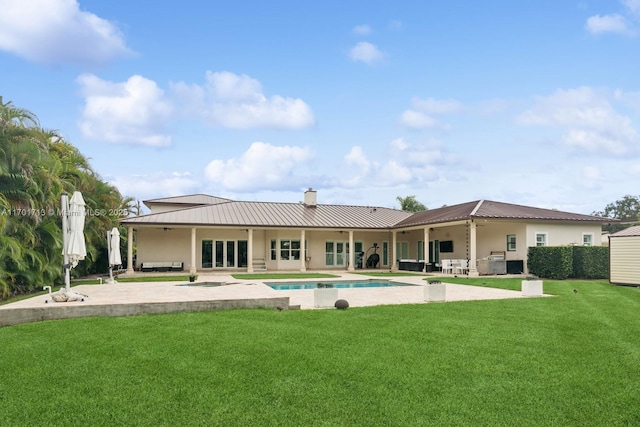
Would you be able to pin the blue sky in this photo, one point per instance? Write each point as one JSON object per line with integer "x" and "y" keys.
{"x": 535, "y": 103}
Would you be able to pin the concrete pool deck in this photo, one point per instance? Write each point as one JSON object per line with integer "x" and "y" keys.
{"x": 126, "y": 299}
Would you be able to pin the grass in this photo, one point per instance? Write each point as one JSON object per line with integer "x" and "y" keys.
{"x": 568, "y": 360}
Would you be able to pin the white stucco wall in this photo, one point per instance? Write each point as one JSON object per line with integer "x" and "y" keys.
{"x": 157, "y": 244}
{"x": 174, "y": 244}
{"x": 564, "y": 234}
{"x": 316, "y": 240}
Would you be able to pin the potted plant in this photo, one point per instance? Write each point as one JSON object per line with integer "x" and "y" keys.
{"x": 192, "y": 278}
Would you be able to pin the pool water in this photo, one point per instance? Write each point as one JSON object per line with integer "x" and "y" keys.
{"x": 291, "y": 286}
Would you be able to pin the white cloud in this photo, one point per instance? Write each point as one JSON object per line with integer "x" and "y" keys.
{"x": 356, "y": 157}
{"x": 237, "y": 101}
{"x": 262, "y": 167}
{"x": 57, "y": 31}
{"x": 633, "y": 6}
{"x": 161, "y": 184}
{"x": 131, "y": 112}
{"x": 620, "y": 23}
{"x": 635, "y": 169}
{"x": 366, "y": 52}
{"x": 421, "y": 115}
{"x": 417, "y": 120}
{"x": 614, "y": 23}
{"x": 587, "y": 119}
{"x": 361, "y": 30}
{"x": 407, "y": 163}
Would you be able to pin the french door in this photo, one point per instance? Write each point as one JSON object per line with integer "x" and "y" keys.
{"x": 224, "y": 253}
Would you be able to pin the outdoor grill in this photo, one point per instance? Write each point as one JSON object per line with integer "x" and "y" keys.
{"x": 493, "y": 264}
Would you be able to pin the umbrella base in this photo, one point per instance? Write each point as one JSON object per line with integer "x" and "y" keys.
{"x": 64, "y": 295}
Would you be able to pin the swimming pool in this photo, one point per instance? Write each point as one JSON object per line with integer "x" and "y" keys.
{"x": 293, "y": 286}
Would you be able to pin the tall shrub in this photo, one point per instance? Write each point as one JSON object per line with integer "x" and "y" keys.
{"x": 551, "y": 262}
{"x": 563, "y": 262}
{"x": 591, "y": 262}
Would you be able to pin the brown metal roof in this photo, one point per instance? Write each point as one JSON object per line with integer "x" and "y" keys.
{"x": 218, "y": 211}
{"x": 487, "y": 209}
{"x": 269, "y": 214}
{"x": 192, "y": 199}
{"x": 628, "y": 232}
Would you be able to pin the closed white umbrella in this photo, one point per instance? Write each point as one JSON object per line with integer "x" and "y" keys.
{"x": 75, "y": 249}
{"x": 113, "y": 244}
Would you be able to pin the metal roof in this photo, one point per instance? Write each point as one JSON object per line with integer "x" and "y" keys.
{"x": 193, "y": 199}
{"x": 216, "y": 211}
{"x": 487, "y": 209}
{"x": 627, "y": 232}
{"x": 269, "y": 214}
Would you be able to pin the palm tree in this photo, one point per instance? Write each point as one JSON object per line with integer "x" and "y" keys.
{"x": 410, "y": 204}
{"x": 36, "y": 167}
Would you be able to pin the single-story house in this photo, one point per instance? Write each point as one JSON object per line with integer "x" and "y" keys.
{"x": 624, "y": 257}
{"x": 207, "y": 233}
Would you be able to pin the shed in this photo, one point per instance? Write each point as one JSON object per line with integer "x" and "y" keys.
{"x": 624, "y": 257}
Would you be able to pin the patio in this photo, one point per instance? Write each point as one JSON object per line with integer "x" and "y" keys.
{"x": 126, "y": 299}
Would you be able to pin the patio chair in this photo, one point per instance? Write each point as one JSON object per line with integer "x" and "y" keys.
{"x": 462, "y": 267}
{"x": 447, "y": 266}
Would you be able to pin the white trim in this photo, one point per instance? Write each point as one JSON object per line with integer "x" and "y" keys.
{"x": 542, "y": 233}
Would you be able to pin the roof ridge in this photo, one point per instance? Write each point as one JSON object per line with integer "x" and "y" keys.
{"x": 473, "y": 212}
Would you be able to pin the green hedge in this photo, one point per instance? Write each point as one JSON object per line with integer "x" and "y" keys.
{"x": 551, "y": 262}
{"x": 591, "y": 262}
{"x": 564, "y": 262}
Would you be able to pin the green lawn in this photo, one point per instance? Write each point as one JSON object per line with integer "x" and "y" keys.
{"x": 568, "y": 360}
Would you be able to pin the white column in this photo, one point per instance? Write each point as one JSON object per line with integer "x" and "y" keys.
{"x": 129, "y": 250}
{"x": 472, "y": 250}
{"x": 303, "y": 247}
{"x": 250, "y": 250}
{"x": 352, "y": 257}
{"x": 394, "y": 266}
{"x": 192, "y": 269}
{"x": 425, "y": 253}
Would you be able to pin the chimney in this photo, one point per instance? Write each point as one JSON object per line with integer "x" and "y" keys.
{"x": 310, "y": 198}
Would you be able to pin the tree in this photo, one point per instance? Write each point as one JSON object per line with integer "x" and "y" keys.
{"x": 36, "y": 167}
{"x": 410, "y": 204}
{"x": 626, "y": 210}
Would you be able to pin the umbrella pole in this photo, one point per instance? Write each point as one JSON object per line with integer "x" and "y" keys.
{"x": 109, "y": 250}
{"x": 65, "y": 257}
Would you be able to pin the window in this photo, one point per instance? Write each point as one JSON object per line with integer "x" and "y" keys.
{"x": 207, "y": 254}
{"x": 328, "y": 253}
{"x": 243, "y": 253}
{"x": 402, "y": 250}
{"x": 434, "y": 251}
{"x": 587, "y": 239}
{"x": 511, "y": 242}
{"x": 219, "y": 253}
{"x": 273, "y": 250}
{"x": 385, "y": 253}
{"x": 231, "y": 253}
{"x": 541, "y": 239}
{"x": 289, "y": 249}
